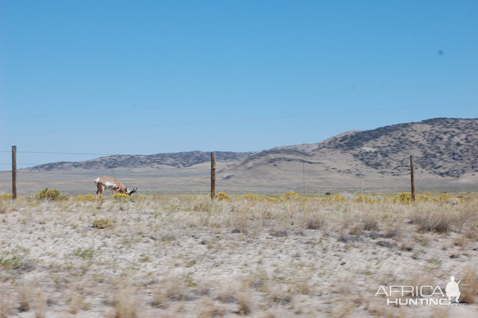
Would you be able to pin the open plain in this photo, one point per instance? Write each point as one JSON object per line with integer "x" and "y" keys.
{"x": 183, "y": 256}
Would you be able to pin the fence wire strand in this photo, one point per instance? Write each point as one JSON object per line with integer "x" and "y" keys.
{"x": 300, "y": 179}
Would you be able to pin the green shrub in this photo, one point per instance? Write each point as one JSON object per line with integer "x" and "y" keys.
{"x": 87, "y": 197}
{"x": 222, "y": 196}
{"x": 51, "y": 195}
{"x": 5, "y": 197}
{"x": 121, "y": 197}
{"x": 365, "y": 199}
{"x": 249, "y": 197}
{"x": 290, "y": 196}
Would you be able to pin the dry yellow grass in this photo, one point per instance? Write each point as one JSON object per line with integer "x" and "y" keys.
{"x": 178, "y": 256}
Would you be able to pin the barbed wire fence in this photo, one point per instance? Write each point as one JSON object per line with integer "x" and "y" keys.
{"x": 198, "y": 179}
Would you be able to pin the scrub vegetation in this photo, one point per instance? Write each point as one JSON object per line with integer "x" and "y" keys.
{"x": 185, "y": 256}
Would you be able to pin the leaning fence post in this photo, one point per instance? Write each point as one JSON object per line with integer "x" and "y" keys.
{"x": 14, "y": 172}
{"x": 213, "y": 175}
{"x": 412, "y": 176}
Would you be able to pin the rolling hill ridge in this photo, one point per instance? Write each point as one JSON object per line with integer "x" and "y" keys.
{"x": 178, "y": 160}
{"x": 443, "y": 147}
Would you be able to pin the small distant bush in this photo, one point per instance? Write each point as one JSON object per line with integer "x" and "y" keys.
{"x": 469, "y": 290}
{"x": 9, "y": 197}
{"x": 365, "y": 199}
{"x": 348, "y": 196}
{"x": 431, "y": 220}
{"x": 250, "y": 197}
{"x": 120, "y": 196}
{"x": 290, "y": 196}
{"x": 50, "y": 195}
{"x": 314, "y": 221}
{"x": 222, "y": 196}
{"x": 103, "y": 223}
{"x": 5, "y": 197}
{"x": 271, "y": 199}
{"x": 425, "y": 197}
{"x": 403, "y": 198}
{"x": 406, "y": 198}
{"x": 338, "y": 198}
{"x": 444, "y": 197}
{"x": 188, "y": 197}
{"x": 87, "y": 197}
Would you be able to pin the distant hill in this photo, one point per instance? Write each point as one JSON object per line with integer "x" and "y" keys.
{"x": 442, "y": 147}
{"x": 178, "y": 160}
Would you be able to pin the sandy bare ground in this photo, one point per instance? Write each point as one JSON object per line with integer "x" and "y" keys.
{"x": 185, "y": 257}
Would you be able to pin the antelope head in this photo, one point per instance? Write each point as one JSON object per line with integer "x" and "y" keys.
{"x": 130, "y": 192}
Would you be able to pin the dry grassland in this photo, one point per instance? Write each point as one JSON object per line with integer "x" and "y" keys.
{"x": 185, "y": 257}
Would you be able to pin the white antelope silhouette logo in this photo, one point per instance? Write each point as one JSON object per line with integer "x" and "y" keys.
{"x": 453, "y": 289}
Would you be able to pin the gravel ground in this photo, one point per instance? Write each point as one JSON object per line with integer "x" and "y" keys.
{"x": 183, "y": 257}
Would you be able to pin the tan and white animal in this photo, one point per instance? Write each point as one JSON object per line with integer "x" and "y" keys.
{"x": 112, "y": 184}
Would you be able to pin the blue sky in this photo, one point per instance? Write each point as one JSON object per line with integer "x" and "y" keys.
{"x": 146, "y": 77}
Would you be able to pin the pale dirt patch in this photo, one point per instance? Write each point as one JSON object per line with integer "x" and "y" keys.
{"x": 182, "y": 257}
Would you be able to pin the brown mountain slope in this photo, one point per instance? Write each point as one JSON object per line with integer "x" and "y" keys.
{"x": 178, "y": 160}
{"x": 441, "y": 146}
{"x": 443, "y": 149}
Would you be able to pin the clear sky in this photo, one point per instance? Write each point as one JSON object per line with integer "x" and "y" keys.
{"x": 146, "y": 77}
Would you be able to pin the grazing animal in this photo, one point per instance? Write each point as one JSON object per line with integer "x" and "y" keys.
{"x": 112, "y": 184}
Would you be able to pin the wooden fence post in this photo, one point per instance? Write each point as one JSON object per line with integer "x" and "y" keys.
{"x": 14, "y": 172}
{"x": 412, "y": 176}
{"x": 213, "y": 175}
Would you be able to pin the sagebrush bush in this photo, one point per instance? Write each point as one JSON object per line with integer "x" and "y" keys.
{"x": 403, "y": 198}
{"x": 5, "y": 197}
{"x": 8, "y": 197}
{"x": 406, "y": 198}
{"x": 250, "y": 197}
{"x": 103, "y": 223}
{"x": 126, "y": 304}
{"x": 430, "y": 219}
{"x": 338, "y": 198}
{"x": 188, "y": 198}
{"x": 50, "y": 195}
{"x": 121, "y": 196}
{"x": 444, "y": 196}
{"x": 7, "y": 304}
{"x": 87, "y": 197}
{"x": 290, "y": 196}
{"x": 365, "y": 199}
{"x": 222, "y": 196}
{"x": 314, "y": 220}
{"x": 469, "y": 289}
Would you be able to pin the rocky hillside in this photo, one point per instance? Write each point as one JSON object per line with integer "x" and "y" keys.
{"x": 442, "y": 147}
{"x": 178, "y": 159}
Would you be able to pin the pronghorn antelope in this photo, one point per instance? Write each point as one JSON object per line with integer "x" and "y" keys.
{"x": 112, "y": 184}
